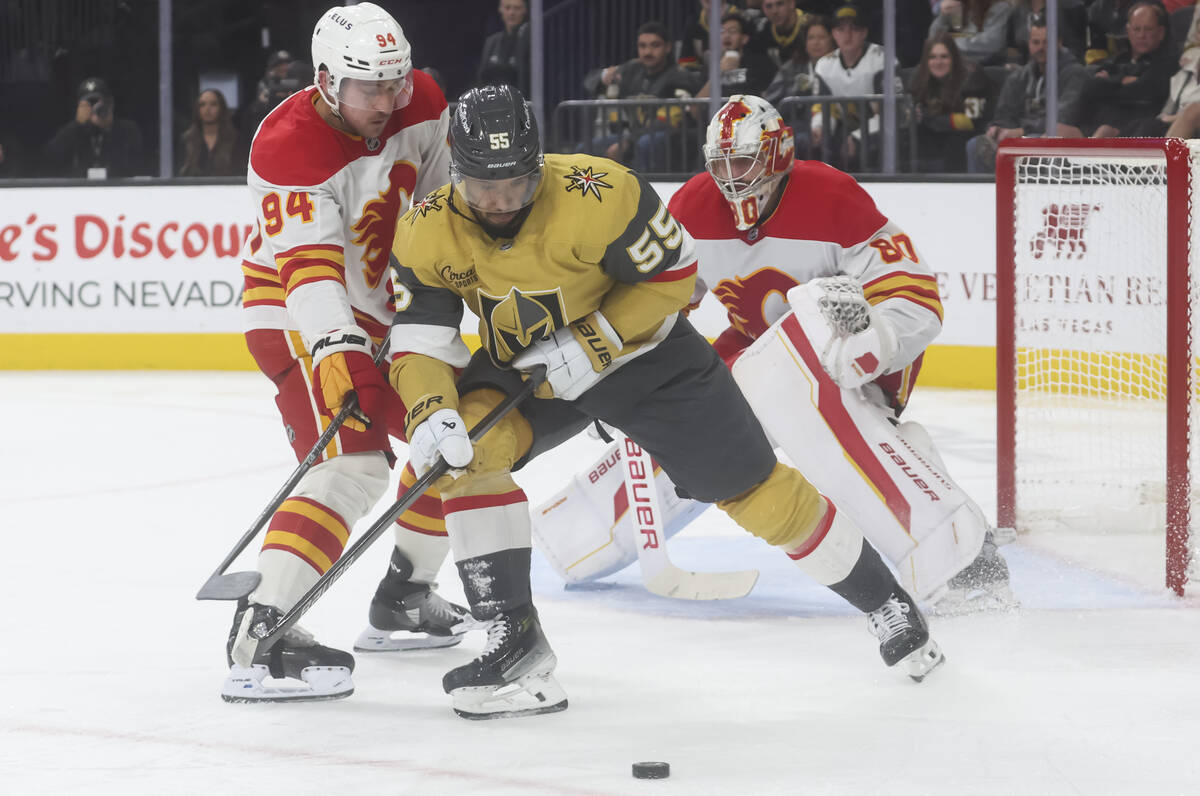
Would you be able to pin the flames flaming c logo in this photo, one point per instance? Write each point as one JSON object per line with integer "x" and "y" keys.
{"x": 376, "y": 225}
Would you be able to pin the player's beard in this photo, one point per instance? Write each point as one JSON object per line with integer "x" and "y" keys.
{"x": 508, "y": 230}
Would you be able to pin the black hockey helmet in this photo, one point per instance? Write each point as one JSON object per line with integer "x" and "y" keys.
{"x": 495, "y": 152}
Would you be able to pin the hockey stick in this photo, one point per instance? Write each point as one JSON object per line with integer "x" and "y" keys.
{"x": 658, "y": 573}
{"x": 269, "y": 636}
{"x": 237, "y": 585}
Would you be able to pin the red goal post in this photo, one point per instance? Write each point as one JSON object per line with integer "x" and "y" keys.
{"x": 1095, "y": 359}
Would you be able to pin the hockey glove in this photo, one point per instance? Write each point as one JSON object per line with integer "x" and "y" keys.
{"x": 444, "y": 433}
{"x": 854, "y": 342}
{"x": 342, "y": 364}
{"x": 576, "y": 357}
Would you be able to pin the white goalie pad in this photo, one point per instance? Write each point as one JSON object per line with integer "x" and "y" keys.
{"x": 891, "y": 486}
{"x": 585, "y": 530}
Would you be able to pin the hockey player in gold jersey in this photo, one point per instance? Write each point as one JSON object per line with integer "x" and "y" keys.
{"x": 574, "y": 263}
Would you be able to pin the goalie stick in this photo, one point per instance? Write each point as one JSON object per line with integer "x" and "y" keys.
{"x": 235, "y": 585}
{"x": 352, "y": 553}
{"x": 660, "y": 576}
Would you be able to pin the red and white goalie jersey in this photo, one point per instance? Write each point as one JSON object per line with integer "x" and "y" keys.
{"x": 825, "y": 224}
{"x": 327, "y": 204}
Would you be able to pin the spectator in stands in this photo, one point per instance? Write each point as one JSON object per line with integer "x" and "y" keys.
{"x": 950, "y": 97}
{"x": 505, "y": 59}
{"x": 640, "y": 136}
{"x": 798, "y": 75}
{"x": 1133, "y": 85}
{"x": 798, "y": 78}
{"x": 1105, "y": 35}
{"x": 96, "y": 143}
{"x": 1180, "y": 116}
{"x": 854, "y": 68}
{"x": 780, "y": 33}
{"x": 1072, "y": 22}
{"x": 1021, "y": 107}
{"x": 742, "y": 70}
{"x": 281, "y": 84}
{"x": 210, "y": 146}
{"x": 693, "y": 47}
{"x": 980, "y": 28}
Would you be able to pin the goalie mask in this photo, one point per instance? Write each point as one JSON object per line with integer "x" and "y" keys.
{"x": 747, "y": 151}
{"x": 365, "y": 58}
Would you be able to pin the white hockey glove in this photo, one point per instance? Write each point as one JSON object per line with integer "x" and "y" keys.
{"x": 854, "y": 342}
{"x": 576, "y": 357}
{"x": 445, "y": 433}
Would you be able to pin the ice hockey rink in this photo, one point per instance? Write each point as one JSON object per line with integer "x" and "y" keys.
{"x": 122, "y": 491}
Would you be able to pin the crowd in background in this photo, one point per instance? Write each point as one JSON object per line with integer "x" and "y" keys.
{"x": 970, "y": 73}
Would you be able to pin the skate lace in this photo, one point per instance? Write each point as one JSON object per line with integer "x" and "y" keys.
{"x": 497, "y": 634}
{"x": 441, "y": 610}
{"x": 889, "y": 620}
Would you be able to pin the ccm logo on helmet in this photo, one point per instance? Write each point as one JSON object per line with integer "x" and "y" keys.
{"x": 391, "y": 61}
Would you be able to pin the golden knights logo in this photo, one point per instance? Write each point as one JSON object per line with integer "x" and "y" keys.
{"x": 432, "y": 203}
{"x": 585, "y": 181}
{"x": 514, "y": 321}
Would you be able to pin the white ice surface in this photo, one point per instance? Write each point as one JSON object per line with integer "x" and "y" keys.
{"x": 121, "y": 492}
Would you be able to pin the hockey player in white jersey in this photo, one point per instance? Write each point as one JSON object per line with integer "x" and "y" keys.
{"x": 831, "y": 307}
{"x": 331, "y": 170}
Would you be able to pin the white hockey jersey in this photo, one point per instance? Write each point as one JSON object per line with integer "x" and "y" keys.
{"x": 327, "y": 204}
{"x": 863, "y": 78}
{"x": 825, "y": 224}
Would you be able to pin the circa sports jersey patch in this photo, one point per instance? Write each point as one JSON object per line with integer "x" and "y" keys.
{"x": 585, "y": 181}
{"x": 514, "y": 321}
{"x": 432, "y": 203}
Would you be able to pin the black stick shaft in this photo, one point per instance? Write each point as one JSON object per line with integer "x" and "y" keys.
{"x": 377, "y": 528}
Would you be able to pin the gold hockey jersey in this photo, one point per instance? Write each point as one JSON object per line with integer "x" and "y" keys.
{"x": 597, "y": 238}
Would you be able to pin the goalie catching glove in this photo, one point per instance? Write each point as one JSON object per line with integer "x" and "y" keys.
{"x": 342, "y": 364}
{"x": 576, "y": 357}
{"x": 855, "y": 343}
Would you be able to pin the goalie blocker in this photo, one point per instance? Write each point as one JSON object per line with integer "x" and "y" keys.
{"x": 887, "y": 478}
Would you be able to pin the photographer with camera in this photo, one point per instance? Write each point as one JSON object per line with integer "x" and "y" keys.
{"x": 95, "y": 144}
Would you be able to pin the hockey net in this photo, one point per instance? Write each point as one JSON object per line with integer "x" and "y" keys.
{"x": 1095, "y": 353}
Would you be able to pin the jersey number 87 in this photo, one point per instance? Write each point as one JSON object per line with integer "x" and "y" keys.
{"x": 662, "y": 231}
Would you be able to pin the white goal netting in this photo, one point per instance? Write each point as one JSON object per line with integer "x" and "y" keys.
{"x": 1090, "y": 327}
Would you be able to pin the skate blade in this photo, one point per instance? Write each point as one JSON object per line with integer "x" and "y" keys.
{"x": 317, "y": 684}
{"x": 921, "y": 662}
{"x": 531, "y": 695}
{"x": 373, "y": 640}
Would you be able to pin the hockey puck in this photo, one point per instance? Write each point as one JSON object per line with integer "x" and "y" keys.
{"x": 651, "y": 770}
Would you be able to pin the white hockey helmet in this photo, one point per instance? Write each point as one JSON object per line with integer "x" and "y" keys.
{"x": 364, "y": 52}
{"x": 747, "y": 151}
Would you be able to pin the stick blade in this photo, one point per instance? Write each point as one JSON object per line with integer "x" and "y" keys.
{"x": 230, "y": 586}
{"x": 680, "y": 584}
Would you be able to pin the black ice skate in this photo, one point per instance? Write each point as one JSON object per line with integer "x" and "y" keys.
{"x": 407, "y": 616}
{"x": 982, "y": 585}
{"x": 295, "y": 669}
{"x": 904, "y": 636}
{"x": 513, "y": 676}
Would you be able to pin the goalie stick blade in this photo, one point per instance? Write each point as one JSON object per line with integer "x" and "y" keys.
{"x": 230, "y": 586}
{"x": 683, "y": 585}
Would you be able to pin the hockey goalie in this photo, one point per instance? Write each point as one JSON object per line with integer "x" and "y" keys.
{"x": 830, "y": 308}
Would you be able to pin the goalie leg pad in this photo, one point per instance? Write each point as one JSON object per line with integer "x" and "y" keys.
{"x": 899, "y": 497}
{"x": 585, "y": 530}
